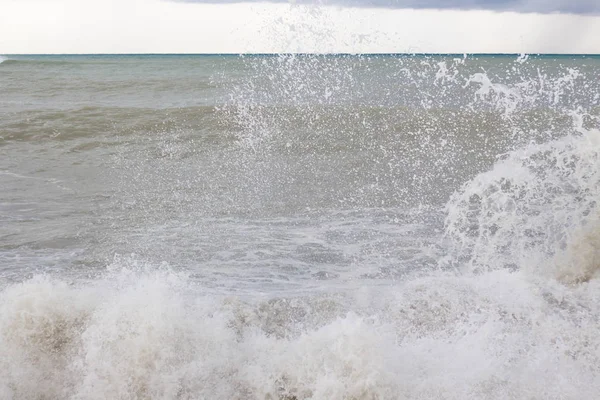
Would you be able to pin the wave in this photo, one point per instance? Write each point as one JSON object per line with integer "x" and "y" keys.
{"x": 45, "y": 60}
{"x": 516, "y": 293}
{"x": 537, "y": 208}
{"x": 141, "y": 332}
{"x": 320, "y": 130}
{"x": 94, "y": 122}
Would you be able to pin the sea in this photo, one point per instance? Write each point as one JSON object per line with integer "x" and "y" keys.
{"x": 297, "y": 226}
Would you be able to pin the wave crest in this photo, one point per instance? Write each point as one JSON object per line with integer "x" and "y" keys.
{"x": 536, "y": 206}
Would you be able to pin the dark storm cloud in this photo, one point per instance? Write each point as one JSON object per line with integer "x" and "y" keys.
{"x": 541, "y": 6}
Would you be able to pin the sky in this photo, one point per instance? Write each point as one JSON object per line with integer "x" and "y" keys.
{"x": 541, "y": 6}
{"x": 321, "y": 26}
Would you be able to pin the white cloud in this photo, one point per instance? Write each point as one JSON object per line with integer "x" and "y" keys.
{"x": 154, "y": 26}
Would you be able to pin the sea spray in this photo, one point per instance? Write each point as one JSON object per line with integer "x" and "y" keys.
{"x": 327, "y": 227}
{"x": 526, "y": 209}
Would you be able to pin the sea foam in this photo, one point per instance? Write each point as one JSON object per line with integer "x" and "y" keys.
{"x": 148, "y": 332}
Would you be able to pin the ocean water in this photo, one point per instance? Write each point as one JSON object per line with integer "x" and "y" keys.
{"x": 299, "y": 227}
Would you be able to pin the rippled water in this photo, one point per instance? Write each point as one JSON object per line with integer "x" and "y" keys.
{"x": 295, "y": 227}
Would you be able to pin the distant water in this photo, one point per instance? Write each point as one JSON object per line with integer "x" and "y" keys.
{"x": 299, "y": 227}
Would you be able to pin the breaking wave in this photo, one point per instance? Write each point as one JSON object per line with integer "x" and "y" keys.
{"x": 150, "y": 333}
{"x": 524, "y": 236}
{"x": 537, "y": 209}
{"x": 510, "y": 311}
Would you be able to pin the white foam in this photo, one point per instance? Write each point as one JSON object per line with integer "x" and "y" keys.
{"x": 148, "y": 333}
{"x": 531, "y": 207}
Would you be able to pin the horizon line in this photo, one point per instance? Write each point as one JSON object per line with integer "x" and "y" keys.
{"x": 461, "y": 54}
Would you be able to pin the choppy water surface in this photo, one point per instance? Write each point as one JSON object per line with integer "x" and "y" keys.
{"x": 299, "y": 227}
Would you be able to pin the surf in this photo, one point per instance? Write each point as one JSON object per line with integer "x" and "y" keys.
{"x": 348, "y": 227}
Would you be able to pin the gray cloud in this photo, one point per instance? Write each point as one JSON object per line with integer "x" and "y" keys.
{"x": 541, "y": 6}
